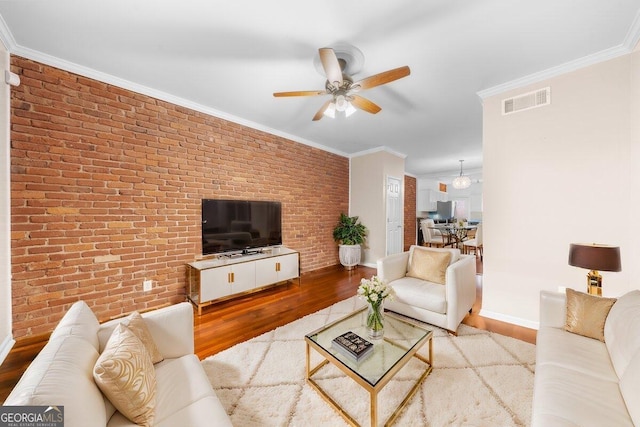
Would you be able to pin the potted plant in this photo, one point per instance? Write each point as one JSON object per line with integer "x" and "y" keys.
{"x": 350, "y": 234}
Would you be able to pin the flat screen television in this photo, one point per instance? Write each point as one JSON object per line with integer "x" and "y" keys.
{"x": 240, "y": 225}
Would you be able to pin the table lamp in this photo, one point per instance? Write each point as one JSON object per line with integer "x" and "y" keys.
{"x": 595, "y": 257}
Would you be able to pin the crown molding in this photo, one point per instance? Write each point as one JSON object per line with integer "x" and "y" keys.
{"x": 633, "y": 35}
{"x": 559, "y": 70}
{"x": 377, "y": 150}
{"x": 6, "y": 37}
{"x": 15, "y": 49}
{"x": 629, "y": 43}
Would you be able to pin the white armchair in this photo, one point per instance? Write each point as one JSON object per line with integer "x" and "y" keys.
{"x": 442, "y": 305}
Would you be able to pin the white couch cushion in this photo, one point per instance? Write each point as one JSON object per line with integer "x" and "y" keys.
{"x": 80, "y": 321}
{"x": 622, "y": 330}
{"x": 558, "y": 347}
{"x": 207, "y": 411}
{"x": 61, "y": 375}
{"x": 419, "y": 293}
{"x": 630, "y": 388}
{"x": 184, "y": 397}
{"x": 181, "y": 382}
{"x": 568, "y": 397}
{"x": 171, "y": 328}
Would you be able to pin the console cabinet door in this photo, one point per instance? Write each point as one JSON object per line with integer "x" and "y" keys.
{"x": 266, "y": 273}
{"x": 243, "y": 277}
{"x": 289, "y": 267}
{"x": 276, "y": 269}
{"x": 214, "y": 283}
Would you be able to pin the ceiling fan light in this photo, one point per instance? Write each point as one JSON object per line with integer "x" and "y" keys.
{"x": 349, "y": 110}
{"x": 330, "y": 111}
{"x": 341, "y": 103}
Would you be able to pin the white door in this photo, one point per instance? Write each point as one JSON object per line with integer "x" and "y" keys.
{"x": 395, "y": 220}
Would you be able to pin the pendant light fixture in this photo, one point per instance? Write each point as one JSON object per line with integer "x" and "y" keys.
{"x": 461, "y": 182}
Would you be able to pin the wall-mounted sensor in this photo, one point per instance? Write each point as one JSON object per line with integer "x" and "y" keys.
{"x": 11, "y": 78}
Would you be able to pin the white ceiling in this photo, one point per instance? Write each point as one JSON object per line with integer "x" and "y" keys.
{"x": 228, "y": 57}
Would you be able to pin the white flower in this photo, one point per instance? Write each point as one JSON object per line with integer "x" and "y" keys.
{"x": 374, "y": 290}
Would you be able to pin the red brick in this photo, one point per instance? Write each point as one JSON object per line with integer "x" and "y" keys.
{"x": 122, "y": 174}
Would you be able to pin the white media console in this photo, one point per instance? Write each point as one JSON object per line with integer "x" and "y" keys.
{"x": 227, "y": 276}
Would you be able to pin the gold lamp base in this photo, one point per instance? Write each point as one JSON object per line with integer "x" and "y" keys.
{"x": 594, "y": 283}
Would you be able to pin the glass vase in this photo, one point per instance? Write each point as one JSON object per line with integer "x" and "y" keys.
{"x": 375, "y": 321}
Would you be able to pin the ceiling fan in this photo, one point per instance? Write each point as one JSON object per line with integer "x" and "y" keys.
{"x": 343, "y": 89}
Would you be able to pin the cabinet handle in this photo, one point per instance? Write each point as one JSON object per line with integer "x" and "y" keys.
{"x": 277, "y": 266}
{"x": 233, "y": 277}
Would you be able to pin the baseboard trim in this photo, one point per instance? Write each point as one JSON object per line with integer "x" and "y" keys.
{"x": 509, "y": 319}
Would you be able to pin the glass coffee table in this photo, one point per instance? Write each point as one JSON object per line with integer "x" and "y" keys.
{"x": 402, "y": 340}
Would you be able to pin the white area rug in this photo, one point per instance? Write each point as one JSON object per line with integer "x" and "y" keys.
{"x": 479, "y": 379}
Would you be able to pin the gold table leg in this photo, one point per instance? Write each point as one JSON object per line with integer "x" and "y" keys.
{"x": 373, "y": 392}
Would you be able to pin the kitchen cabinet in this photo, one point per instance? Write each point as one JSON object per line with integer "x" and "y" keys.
{"x": 428, "y": 199}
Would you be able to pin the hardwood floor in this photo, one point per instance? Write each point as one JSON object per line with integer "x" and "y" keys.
{"x": 227, "y": 323}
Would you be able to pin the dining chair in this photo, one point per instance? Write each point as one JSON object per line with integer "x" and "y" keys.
{"x": 431, "y": 223}
{"x": 474, "y": 244}
{"x": 430, "y": 236}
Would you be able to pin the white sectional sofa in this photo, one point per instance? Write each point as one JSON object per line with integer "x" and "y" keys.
{"x": 440, "y": 304}
{"x": 62, "y": 373}
{"x": 581, "y": 381}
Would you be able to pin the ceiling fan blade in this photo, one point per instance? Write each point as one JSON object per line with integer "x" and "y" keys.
{"x": 365, "y": 104}
{"x": 322, "y": 109}
{"x": 331, "y": 65}
{"x": 301, "y": 93}
{"x": 381, "y": 78}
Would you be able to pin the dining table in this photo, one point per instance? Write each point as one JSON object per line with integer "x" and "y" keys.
{"x": 454, "y": 234}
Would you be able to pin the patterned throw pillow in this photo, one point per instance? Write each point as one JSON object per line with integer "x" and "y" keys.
{"x": 586, "y": 314}
{"x": 136, "y": 323}
{"x": 429, "y": 265}
{"x": 125, "y": 374}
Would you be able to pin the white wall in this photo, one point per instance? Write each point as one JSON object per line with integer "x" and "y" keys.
{"x": 559, "y": 174}
{"x": 6, "y": 338}
{"x": 369, "y": 173}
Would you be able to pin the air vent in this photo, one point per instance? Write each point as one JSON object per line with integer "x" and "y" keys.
{"x": 526, "y": 101}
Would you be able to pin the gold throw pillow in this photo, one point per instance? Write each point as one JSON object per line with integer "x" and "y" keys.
{"x": 429, "y": 265}
{"x": 126, "y": 376}
{"x": 136, "y": 323}
{"x": 586, "y": 314}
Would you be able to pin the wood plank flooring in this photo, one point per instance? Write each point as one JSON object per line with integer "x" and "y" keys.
{"x": 227, "y": 323}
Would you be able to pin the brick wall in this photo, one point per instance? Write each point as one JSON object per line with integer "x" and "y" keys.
{"x": 410, "y": 220}
{"x": 106, "y": 187}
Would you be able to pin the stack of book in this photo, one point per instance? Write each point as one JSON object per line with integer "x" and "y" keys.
{"x": 352, "y": 346}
